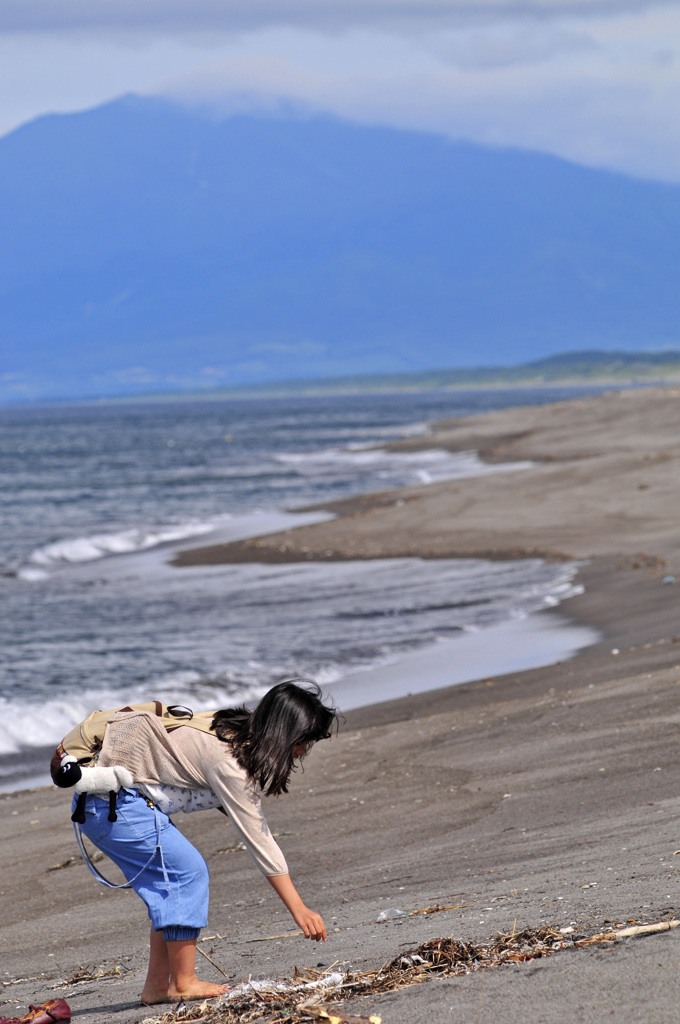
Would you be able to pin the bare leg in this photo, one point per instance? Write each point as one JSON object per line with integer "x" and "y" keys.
{"x": 172, "y": 973}
{"x": 157, "y": 981}
{"x": 183, "y": 980}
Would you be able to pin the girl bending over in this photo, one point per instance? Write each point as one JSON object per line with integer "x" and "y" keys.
{"x": 156, "y": 763}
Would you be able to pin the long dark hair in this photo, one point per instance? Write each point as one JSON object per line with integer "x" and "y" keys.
{"x": 262, "y": 740}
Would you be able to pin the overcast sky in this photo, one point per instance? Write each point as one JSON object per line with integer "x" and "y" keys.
{"x": 597, "y": 81}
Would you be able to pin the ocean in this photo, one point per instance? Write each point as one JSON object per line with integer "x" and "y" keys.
{"x": 95, "y": 498}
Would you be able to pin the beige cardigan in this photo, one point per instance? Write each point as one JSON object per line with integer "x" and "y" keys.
{"x": 193, "y": 759}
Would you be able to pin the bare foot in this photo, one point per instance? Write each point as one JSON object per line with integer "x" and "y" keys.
{"x": 195, "y": 990}
{"x": 198, "y": 990}
{"x": 149, "y": 998}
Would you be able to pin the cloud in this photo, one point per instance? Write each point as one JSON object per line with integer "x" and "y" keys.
{"x": 509, "y": 43}
{"x": 608, "y": 97}
{"x": 170, "y": 16}
{"x": 597, "y": 81}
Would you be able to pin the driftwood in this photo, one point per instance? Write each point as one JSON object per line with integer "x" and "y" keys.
{"x": 647, "y": 929}
{"x": 269, "y": 938}
{"x": 627, "y": 933}
{"x": 210, "y": 960}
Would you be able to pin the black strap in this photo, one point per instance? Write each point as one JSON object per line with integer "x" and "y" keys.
{"x": 79, "y": 813}
{"x": 112, "y": 806}
{"x": 179, "y": 711}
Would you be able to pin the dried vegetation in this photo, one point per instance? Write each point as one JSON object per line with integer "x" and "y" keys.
{"x": 314, "y": 995}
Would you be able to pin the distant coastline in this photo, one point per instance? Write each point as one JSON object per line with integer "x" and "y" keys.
{"x": 597, "y": 369}
{"x": 569, "y": 369}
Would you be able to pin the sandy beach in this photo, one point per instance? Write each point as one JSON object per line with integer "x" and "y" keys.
{"x": 547, "y": 796}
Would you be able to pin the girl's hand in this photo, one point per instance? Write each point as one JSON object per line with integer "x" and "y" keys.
{"x": 310, "y": 923}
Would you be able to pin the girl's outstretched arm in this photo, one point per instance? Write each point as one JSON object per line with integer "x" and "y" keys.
{"x": 310, "y": 922}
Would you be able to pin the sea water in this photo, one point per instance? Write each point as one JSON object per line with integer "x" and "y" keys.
{"x": 95, "y": 500}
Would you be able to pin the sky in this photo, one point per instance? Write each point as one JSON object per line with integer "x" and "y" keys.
{"x": 596, "y": 81}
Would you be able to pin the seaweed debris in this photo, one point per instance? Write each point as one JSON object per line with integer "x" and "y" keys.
{"x": 90, "y": 974}
{"x": 301, "y": 999}
{"x": 308, "y": 995}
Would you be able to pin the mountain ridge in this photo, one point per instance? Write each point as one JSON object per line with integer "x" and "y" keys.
{"x": 147, "y": 247}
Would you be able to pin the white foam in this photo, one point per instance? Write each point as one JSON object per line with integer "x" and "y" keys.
{"x": 88, "y": 549}
{"x": 143, "y": 543}
{"x": 523, "y": 642}
{"x": 31, "y": 724}
{"x": 359, "y": 620}
{"x": 386, "y": 469}
{"x": 32, "y": 575}
{"x": 401, "y": 468}
{"x": 38, "y": 724}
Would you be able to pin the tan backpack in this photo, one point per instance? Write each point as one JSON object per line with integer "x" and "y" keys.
{"x": 82, "y": 744}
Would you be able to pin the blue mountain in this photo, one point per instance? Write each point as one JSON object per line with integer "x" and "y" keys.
{"x": 145, "y": 245}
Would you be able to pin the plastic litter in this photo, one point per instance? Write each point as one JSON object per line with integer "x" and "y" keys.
{"x": 414, "y": 958}
{"x": 323, "y": 984}
{"x": 391, "y": 914}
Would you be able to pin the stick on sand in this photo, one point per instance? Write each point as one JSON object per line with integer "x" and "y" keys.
{"x": 211, "y": 961}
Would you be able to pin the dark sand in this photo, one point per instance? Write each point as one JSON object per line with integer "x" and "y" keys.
{"x": 548, "y": 796}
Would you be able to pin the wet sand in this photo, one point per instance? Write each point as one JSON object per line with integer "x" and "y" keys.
{"x": 548, "y": 795}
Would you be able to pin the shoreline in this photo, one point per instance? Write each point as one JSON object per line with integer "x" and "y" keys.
{"x": 541, "y": 796}
{"x": 498, "y": 437}
{"x": 603, "y": 480}
{"x": 538, "y": 640}
{"x": 623, "y": 604}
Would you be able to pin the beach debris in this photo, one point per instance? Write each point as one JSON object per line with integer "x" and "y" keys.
{"x": 335, "y": 1017}
{"x": 668, "y": 579}
{"x": 627, "y": 933}
{"x": 313, "y": 995}
{"x": 307, "y": 996}
{"x": 438, "y": 907}
{"x": 391, "y": 914}
{"x": 268, "y": 938}
{"x": 210, "y": 960}
{"x": 89, "y": 974}
{"x": 70, "y": 861}
{"x": 237, "y": 848}
{"x": 241, "y": 847}
{"x": 414, "y": 958}
{"x": 20, "y": 981}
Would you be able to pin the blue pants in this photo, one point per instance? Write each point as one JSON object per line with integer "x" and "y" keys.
{"x": 174, "y": 885}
